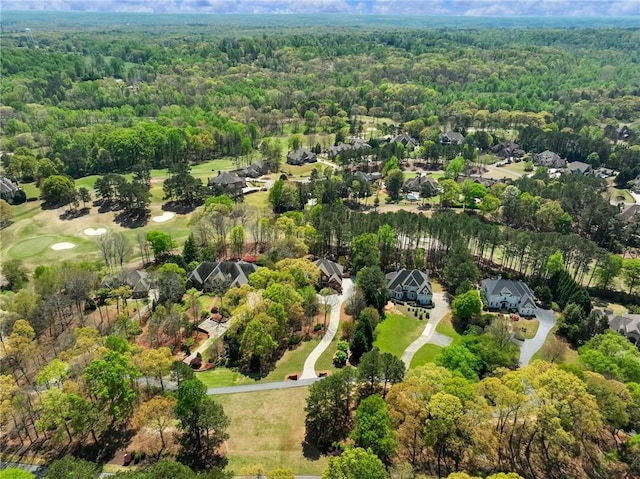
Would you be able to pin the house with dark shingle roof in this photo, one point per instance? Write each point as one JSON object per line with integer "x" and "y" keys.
{"x": 227, "y": 181}
{"x": 414, "y": 184}
{"x": 451, "y": 138}
{"x": 301, "y": 156}
{"x": 506, "y": 295}
{"x": 138, "y": 280}
{"x": 579, "y": 167}
{"x": 8, "y": 189}
{"x": 405, "y": 140}
{"x": 549, "y": 159}
{"x": 625, "y": 133}
{"x": 235, "y": 272}
{"x": 410, "y": 285}
{"x": 626, "y": 324}
{"x": 254, "y": 170}
{"x": 508, "y": 149}
{"x": 330, "y": 273}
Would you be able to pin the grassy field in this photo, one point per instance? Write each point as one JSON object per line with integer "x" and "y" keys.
{"x": 267, "y": 428}
{"x": 526, "y": 327}
{"x": 445, "y": 327}
{"x": 325, "y": 362}
{"x": 396, "y": 332}
{"x": 223, "y": 377}
{"x": 515, "y": 167}
{"x": 426, "y": 354}
{"x": 568, "y": 355}
{"x": 291, "y": 362}
{"x": 301, "y": 171}
{"x": 618, "y": 195}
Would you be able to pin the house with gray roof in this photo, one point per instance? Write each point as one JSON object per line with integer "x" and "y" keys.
{"x": 451, "y": 138}
{"x": 235, "y": 273}
{"x": 626, "y": 324}
{"x": 507, "y": 295}
{"x": 414, "y": 184}
{"x": 139, "y": 282}
{"x": 405, "y": 140}
{"x": 254, "y": 170}
{"x": 301, "y": 156}
{"x": 330, "y": 273}
{"x": 410, "y": 285}
{"x": 508, "y": 149}
{"x": 549, "y": 159}
{"x": 8, "y": 189}
{"x": 227, "y": 181}
{"x": 579, "y": 167}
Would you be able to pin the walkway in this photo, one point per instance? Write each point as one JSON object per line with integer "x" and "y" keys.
{"x": 441, "y": 308}
{"x": 529, "y": 347}
{"x": 309, "y": 370}
{"x": 248, "y": 388}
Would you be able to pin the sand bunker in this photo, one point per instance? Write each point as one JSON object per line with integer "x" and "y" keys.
{"x": 61, "y": 246}
{"x": 95, "y": 232}
{"x": 166, "y": 216}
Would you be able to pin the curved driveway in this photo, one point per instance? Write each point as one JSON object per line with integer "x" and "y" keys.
{"x": 529, "y": 347}
{"x": 309, "y": 370}
{"x": 440, "y": 309}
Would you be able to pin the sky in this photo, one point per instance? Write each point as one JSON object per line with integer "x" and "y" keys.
{"x": 579, "y": 8}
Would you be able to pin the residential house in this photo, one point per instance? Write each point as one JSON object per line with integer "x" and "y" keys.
{"x": 8, "y": 189}
{"x": 139, "y": 282}
{"x": 630, "y": 212}
{"x": 301, "y": 156}
{"x": 507, "y": 295}
{"x": 508, "y": 149}
{"x": 367, "y": 177}
{"x": 604, "y": 173}
{"x": 227, "y": 181}
{"x": 405, "y": 140}
{"x": 549, "y": 159}
{"x": 414, "y": 184}
{"x": 330, "y": 273}
{"x": 451, "y": 138}
{"x": 579, "y": 167}
{"x": 235, "y": 273}
{"x": 625, "y": 133}
{"x": 254, "y": 170}
{"x": 410, "y": 285}
{"x": 627, "y": 324}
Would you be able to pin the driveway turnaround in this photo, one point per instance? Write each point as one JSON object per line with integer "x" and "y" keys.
{"x": 529, "y": 347}
{"x": 309, "y": 370}
{"x": 440, "y": 309}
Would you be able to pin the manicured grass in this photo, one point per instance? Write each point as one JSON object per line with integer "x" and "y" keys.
{"x": 302, "y": 170}
{"x": 426, "y": 354}
{"x": 32, "y": 246}
{"x": 223, "y": 377}
{"x": 568, "y": 356}
{"x": 325, "y": 362}
{"x": 396, "y": 332}
{"x": 445, "y": 327}
{"x": 258, "y": 200}
{"x": 267, "y": 428}
{"x": 211, "y": 168}
{"x": 291, "y": 362}
{"x": 515, "y": 167}
{"x": 31, "y": 190}
{"x": 618, "y": 195}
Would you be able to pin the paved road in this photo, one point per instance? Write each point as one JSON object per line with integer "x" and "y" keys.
{"x": 441, "y": 308}
{"x": 247, "y": 388}
{"x": 529, "y": 347}
{"x": 309, "y": 370}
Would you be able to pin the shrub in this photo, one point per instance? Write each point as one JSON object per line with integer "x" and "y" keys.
{"x": 343, "y": 346}
{"x": 317, "y": 327}
{"x": 340, "y": 359}
{"x": 427, "y": 314}
{"x": 295, "y": 340}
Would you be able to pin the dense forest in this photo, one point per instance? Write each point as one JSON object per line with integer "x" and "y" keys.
{"x": 115, "y": 116}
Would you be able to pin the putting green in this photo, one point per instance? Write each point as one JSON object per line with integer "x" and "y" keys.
{"x": 32, "y": 246}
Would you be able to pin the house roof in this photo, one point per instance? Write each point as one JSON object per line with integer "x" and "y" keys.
{"x": 413, "y": 184}
{"x": 516, "y": 288}
{"x": 629, "y": 212}
{"x": 451, "y": 136}
{"x": 626, "y": 324}
{"x": 225, "y": 178}
{"x": 332, "y": 270}
{"x": 236, "y": 271}
{"x": 138, "y": 280}
{"x": 405, "y": 278}
{"x": 405, "y": 139}
{"x": 508, "y": 149}
{"x": 549, "y": 159}
{"x": 578, "y": 167}
{"x": 301, "y": 155}
{"x": 254, "y": 170}
{"x": 7, "y": 186}
{"x": 367, "y": 177}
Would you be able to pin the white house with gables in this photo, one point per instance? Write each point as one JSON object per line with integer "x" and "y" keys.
{"x": 507, "y": 295}
{"x": 410, "y": 285}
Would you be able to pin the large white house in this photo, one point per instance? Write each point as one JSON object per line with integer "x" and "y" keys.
{"x": 507, "y": 295}
{"x": 410, "y": 285}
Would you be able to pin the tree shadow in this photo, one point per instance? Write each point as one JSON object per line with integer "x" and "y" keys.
{"x": 133, "y": 219}
{"x": 75, "y": 213}
{"x": 181, "y": 207}
{"x": 106, "y": 206}
{"x": 105, "y": 449}
{"x": 310, "y": 452}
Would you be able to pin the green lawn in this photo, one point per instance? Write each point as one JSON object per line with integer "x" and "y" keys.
{"x": 445, "y": 327}
{"x": 31, "y": 190}
{"x": 302, "y": 170}
{"x": 291, "y": 362}
{"x": 267, "y": 428}
{"x": 426, "y": 354}
{"x": 223, "y": 377}
{"x": 258, "y": 200}
{"x": 325, "y": 362}
{"x": 396, "y": 332}
{"x": 619, "y": 195}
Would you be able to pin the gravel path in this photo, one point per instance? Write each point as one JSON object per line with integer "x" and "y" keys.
{"x": 309, "y": 370}
{"x": 441, "y": 308}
